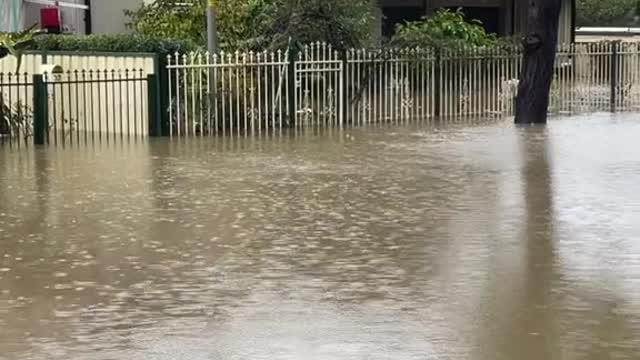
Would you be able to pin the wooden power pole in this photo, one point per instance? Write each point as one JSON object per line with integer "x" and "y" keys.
{"x": 212, "y": 28}
{"x": 540, "y": 45}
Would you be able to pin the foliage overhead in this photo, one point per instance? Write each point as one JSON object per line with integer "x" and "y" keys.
{"x": 170, "y": 19}
{"x": 259, "y": 24}
{"x": 341, "y": 23}
{"x": 238, "y": 21}
{"x": 17, "y": 43}
{"x": 607, "y": 12}
{"x": 445, "y": 29}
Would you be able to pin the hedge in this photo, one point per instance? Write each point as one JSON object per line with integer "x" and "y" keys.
{"x": 128, "y": 43}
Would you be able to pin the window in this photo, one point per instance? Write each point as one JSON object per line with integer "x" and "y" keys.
{"x": 489, "y": 16}
{"x": 398, "y": 15}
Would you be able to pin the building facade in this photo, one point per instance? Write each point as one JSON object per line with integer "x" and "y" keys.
{"x": 502, "y": 17}
{"x": 79, "y": 17}
{"x": 11, "y": 16}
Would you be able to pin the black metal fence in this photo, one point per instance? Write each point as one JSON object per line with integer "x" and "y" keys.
{"x": 78, "y": 106}
{"x": 16, "y": 108}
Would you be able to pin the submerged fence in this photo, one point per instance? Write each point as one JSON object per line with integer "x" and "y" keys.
{"x": 266, "y": 92}
{"x": 16, "y": 107}
{"x": 246, "y": 93}
{"x": 71, "y": 107}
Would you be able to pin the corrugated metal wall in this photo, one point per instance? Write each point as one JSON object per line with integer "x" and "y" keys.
{"x": 32, "y": 62}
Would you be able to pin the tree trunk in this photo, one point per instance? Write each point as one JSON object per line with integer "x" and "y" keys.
{"x": 540, "y": 46}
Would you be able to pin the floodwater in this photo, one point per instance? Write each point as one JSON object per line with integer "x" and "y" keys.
{"x": 462, "y": 241}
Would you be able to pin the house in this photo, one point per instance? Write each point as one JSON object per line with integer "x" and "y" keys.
{"x": 78, "y": 17}
{"x": 502, "y": 17}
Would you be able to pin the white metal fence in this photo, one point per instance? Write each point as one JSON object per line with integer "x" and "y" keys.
{"x": 246, "y": 93}
{"x": 228, "y": 93}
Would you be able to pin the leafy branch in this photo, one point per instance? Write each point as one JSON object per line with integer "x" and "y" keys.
{"x": 16, "y": 44}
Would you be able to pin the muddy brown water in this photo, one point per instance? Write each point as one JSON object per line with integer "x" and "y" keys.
{"x": 461, "y": 241}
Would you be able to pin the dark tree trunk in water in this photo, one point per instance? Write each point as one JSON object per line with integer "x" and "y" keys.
{"x": 540, "y": 45}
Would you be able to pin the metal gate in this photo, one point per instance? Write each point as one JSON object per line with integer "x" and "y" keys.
{"x": 319, "y": 90}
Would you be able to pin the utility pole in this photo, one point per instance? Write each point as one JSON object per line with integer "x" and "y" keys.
{"x": 212, "y": 47}
{"x": 212, "y": 31}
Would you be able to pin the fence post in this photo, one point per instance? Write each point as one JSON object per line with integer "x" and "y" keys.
{"x": 437, "y": 72}
{"x": 40, "y": 111}
{"x": 155, "y": 116}
{"x": 162, "y": 74}
{"x": 291, "y": 93}
{"x": 614, "y": 74}
{"x": 344, "y": 77}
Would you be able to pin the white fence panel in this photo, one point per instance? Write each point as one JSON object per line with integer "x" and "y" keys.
{"x": 251, "y": 92}
{"x": 319, "y": 87}
{"x": 228, "y": 93}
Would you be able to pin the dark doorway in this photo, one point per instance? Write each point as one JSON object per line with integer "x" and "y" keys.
{"x": 398, "y": 15}
{"x": 489, "y": 16}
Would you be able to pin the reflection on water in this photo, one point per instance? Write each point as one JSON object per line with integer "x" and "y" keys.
{"x": 483, "y": 241}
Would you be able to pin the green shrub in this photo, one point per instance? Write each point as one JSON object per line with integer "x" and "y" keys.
{"x": 445, "y": 29}
{"x": 239, "y": 22}
{"x": 112, "y": 43}
{"x": 166, "y": 19}
{"x": 17, "y": 43}
{"x": 607, "y": 12}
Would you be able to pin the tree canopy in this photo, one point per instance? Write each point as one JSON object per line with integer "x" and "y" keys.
{"x": 259, "y": 24}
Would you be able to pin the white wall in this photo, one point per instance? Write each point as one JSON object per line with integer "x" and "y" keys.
{"x": 107, "y": 16}
{"x": 11, "y": 15}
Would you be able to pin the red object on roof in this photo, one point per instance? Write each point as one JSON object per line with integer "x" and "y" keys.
{"x": 50, "y": 18}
